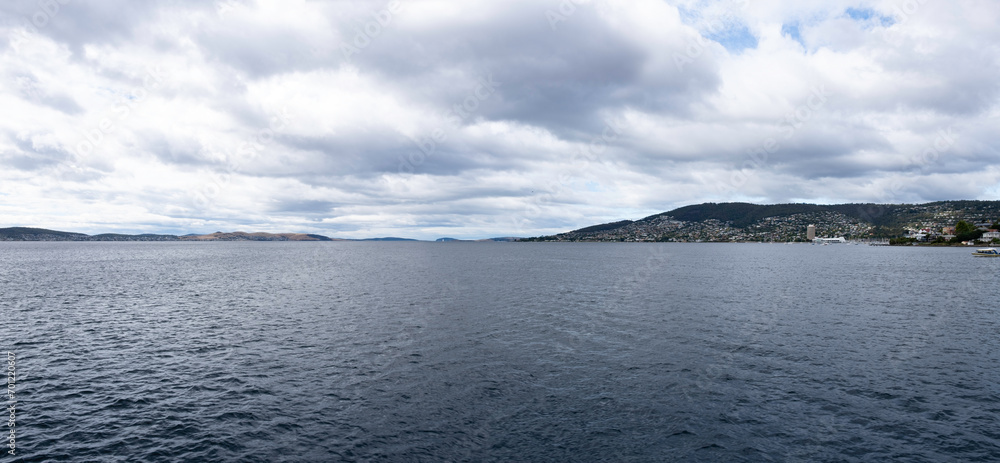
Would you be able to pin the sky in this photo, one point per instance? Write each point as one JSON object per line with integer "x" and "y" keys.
{"x": 475, "y": 119}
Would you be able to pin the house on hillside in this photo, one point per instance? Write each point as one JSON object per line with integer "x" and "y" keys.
{"x": 990, "y": 236}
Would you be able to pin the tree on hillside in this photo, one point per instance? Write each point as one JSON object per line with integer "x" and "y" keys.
{"x": 964, "y": 228}
{"x": 965, "y": 231}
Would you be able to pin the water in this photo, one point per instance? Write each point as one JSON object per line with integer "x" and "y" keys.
{"x": 351, "y": 351}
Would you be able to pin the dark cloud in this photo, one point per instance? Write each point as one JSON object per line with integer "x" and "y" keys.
{"x": 262, "y": 52}
{"x": 31, "y": 90}
{"x": 76, "y": 24}
{"x": 303, "y": 206}
{"x": 26, "y": 161}
{"x": 561, "y": 79}
{"x": 32, "y": 153}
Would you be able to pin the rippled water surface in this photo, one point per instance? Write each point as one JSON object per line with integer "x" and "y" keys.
{"x": 359, "y": 351}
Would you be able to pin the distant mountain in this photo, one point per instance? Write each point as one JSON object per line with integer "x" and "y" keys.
{"x": 120, "y": 237}
{"x": 388, "y": 238}
{"x": 785, "y": 222}
{"x": 504, "y": 239}
{"x": 259, "y": 236}
{"x": 40, "y": 234}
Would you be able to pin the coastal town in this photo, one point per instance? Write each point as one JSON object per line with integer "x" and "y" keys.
{"x": 778, "y": 229}
{"x": 945, "y": 223}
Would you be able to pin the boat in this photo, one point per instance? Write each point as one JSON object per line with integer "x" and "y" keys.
{"x": 986, "y": 252}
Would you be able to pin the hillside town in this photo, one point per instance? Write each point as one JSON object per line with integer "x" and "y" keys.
{"x": 933, "y": 223}
{"x": 781, "y": 229}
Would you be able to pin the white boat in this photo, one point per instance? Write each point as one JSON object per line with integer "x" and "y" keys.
{"x": 986, "y": 252}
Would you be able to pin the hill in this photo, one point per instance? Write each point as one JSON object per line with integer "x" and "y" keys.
{"x": 259, "y": 236}
{"x": 388, "y": 238}
{"x": 502, "y": 239}
{"x": 41, "y": 234}
{"x": 38, "y": 234}
{"x": 785, "y": 222}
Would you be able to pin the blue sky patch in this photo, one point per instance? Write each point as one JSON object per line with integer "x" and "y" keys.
{"x": 792, "y": 30}
{"x": 736, "y": 38}
{"x": 868, "y": 15}
{"x": 688, "y": 16}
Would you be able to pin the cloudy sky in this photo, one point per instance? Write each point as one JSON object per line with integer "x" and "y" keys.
{"x": 472, "y": 119}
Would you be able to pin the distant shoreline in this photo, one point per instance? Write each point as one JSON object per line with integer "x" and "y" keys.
{"x": 378, "y": 240}
{"x": 42, "y": 234}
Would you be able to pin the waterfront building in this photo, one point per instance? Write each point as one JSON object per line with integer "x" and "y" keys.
{"x": 830, "y": 240}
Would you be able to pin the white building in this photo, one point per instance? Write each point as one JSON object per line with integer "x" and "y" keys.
{"x": 830, "y": 240}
